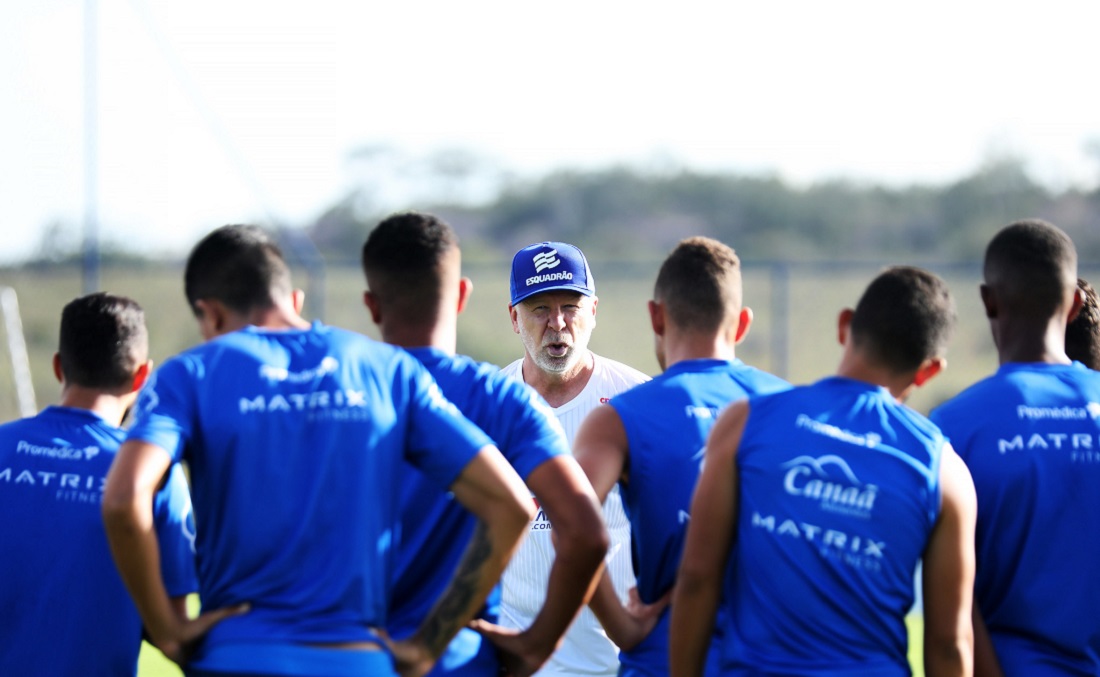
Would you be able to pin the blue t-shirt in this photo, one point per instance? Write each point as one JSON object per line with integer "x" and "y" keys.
{"x": 667, "y": 421}
{"x": 296, "y": 442}
{"x": 1030, "y": 435}
{"x": 66, "y": 610}
{"x": 839, "y": 492}
{"x": 435, "y": 528}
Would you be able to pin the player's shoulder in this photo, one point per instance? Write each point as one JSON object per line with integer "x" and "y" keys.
{"x": 972, "y": 400}
{"x": 759, "y": 382}
{"x": 66, "y": 433}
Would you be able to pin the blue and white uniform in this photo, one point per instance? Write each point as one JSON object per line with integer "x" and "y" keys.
{"x": 667, "y": 421}
{"x": 296, "y": 441}
{"x": 839, "y": 493}
{"x": 66, "y": 610}
{"x": 1030, "y": 435}
{"x": 435, "y": 528}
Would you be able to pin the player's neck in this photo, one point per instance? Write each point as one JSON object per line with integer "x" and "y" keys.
{"x": 558, "y": 389}
{"x": 440, "y": 336}
{"x": 1024, "y": 342}
{"x": 680, "y": 347}
{"x": 855, "y": 367}
{"x": 111, "y": 408}
{"x": 277, "y": 317}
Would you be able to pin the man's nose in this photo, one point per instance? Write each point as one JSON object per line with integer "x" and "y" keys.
{"x": 557, "y": 320}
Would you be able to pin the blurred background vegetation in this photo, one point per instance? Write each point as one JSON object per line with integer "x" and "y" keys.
{"x": 807, "y": 252}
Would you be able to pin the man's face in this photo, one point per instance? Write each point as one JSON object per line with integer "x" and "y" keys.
{"x": 555, "y": 327}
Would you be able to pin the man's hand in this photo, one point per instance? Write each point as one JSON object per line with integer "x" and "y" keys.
{"x": 177, "y": 641}
{"x": 519, "y": 655}
{"x": 644, "y": 616}
{"x": 411, "y": 658}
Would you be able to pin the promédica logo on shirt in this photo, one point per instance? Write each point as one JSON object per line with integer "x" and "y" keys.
{"x": 62, "y": 453}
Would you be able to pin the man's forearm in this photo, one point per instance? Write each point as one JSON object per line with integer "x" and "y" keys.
{"x": 133, "y": 543}
{"x": 694, "y": 605}
{"x": 477, "y": 573}
{"x": 612, "y": 615}
{"x": 576, "y": 570}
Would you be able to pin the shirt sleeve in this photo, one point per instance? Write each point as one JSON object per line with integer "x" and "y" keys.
{"x": 440, "y": 440}
{"x": 533, "y": 434}
{"x": 175, "y": 525}
{"x": 163, "y": 414}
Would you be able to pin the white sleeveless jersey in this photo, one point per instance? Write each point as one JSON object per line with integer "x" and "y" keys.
{"x": 585, "y": 650}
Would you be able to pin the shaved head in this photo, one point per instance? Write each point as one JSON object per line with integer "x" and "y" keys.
{"x": 1032, "y": 267}
{"x": 410, "y": 260}
{"x": 700, "y": 284}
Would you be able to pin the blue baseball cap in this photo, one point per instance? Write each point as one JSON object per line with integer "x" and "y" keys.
{"x": 549, "y": 266}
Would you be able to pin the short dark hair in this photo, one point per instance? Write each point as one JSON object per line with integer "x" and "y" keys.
{"x": 700, "y": 284}
{"x": 403, "y": 261}
{"x": 239, "y": 265}
{"x": 905, "y": 316}
{"x": 1032, "y": 265}
{"x": 103, "y": 341}
{"x": 1083, "y": 333}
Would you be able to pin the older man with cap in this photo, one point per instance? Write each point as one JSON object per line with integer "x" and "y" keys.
{"x": 553, "y": 309}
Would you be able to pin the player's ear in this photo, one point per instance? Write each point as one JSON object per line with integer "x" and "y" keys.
{"x": 989, "y": 300}
{"x": 657, "y": 317}
{"x": 927, "y": 369}
{"x": 57, "y": 368}
{"x": 514, "y": 314}
{"x": 370, "y": 300}
{"x": 1078, "y": 304}
{"x": 212, "y": 316}
{"x": 843, "y": 325}
{"x": 298, "y": 300}
{"x": 744, "y": 321}
{"x": 141, "y": 376}
{"x": 465, "y": 288}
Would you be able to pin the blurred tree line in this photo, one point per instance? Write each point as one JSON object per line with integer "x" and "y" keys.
{"x": 631, "y": 212}
{"x": 623, "y": 212}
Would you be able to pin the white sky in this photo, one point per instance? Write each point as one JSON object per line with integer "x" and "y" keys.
{"x": 217, "y": 111}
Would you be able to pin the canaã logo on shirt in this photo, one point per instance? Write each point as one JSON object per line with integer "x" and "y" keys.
{"x": 830, "y": 482}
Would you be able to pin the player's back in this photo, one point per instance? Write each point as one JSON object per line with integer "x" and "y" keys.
{"x": 666, "y": 422}
{"x": 839, "y": 491}
{"x": 1030, "y": 435}
{"x": 296, "y": 441}
{"x": 435, "y": 528}
{"x": 67, "y": 610}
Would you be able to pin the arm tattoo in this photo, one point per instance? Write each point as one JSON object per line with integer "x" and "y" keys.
{"x": 452, "y": 611}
